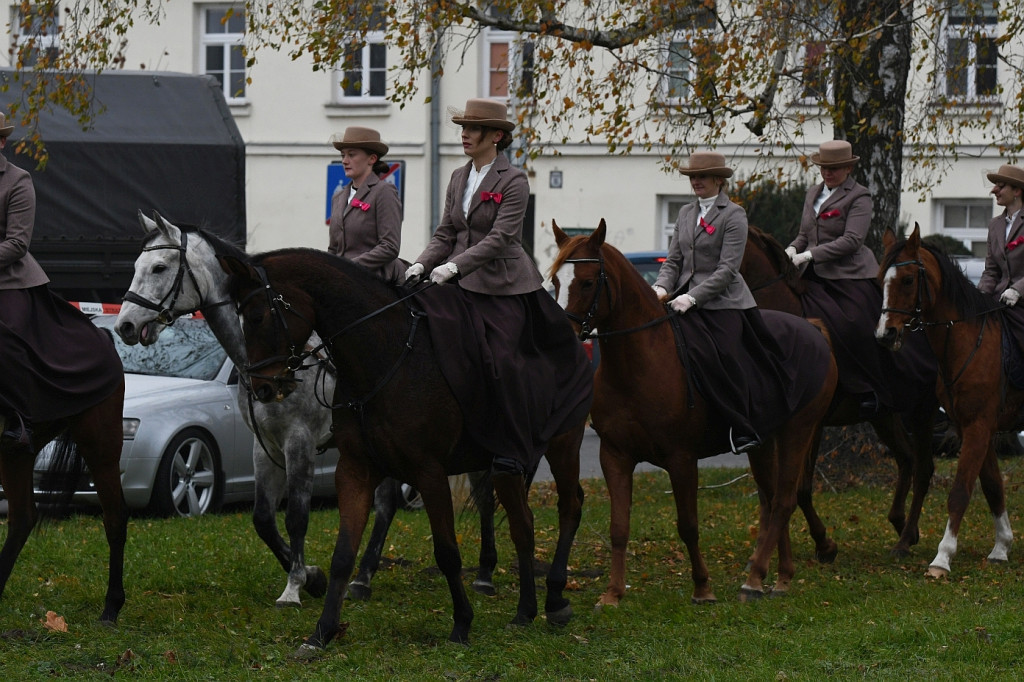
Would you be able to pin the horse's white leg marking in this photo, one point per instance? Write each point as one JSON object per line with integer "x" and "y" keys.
{"x": 947, "y": 550}
{"x": 883, "y": 319}
{"x": 1004, "y": 538}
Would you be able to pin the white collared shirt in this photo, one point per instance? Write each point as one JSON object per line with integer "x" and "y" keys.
{"x": 1009, "y": 223}
{"x": 705, "y": 206}
{"x": 825, "y": 194}
{"x": 473, "y": 184}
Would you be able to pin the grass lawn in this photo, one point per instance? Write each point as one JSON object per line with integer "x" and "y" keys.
{"x": 201, "y": 600}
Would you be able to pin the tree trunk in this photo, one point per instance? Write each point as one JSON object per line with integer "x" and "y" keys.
{"x": 870, "y": 101}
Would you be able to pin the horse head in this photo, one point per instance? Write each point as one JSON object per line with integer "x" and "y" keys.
{"x": 277, "y": 320}
{"x": 905, "y": 288}
{"x": 164, "y": 286}
{"x": 589, "y": 276}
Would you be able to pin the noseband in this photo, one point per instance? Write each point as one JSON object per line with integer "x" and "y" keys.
{"x": 166, "y": 314}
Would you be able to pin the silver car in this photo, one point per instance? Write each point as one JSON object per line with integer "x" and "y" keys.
{"x": 187, "y": 449}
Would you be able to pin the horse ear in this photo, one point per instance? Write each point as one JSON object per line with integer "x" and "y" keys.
{"x": 166, "y": 228}
{"x": 596, "y": 238}
{"x": 560, "y": 237}
{"x": 888, "y": 238}
{"x": 914, "y": 240}
{"x": 236, "y": 267}
{"x": 147, "y": 224}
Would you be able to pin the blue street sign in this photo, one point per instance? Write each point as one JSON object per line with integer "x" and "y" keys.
{"x": 338, "y": 181}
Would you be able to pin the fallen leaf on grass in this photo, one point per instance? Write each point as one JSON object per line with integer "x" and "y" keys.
{"x": 54, "y": 622}
{"x": 170, "y": 657}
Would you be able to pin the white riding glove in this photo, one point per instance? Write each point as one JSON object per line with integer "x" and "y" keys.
{"x": 801, "y": 258}
{"x": 659, "y": 292}
{"x": 444, "y": 272}
{"x": 682, "y": 303}
{"x": 790, "y": 251}
{"x": 414, "y": 273}
{"x": 1010, "y": 297}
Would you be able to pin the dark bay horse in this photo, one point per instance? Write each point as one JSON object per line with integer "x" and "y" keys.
{"x": 177, "y": 273}
{"x": 394, "y": 414}
{"x": 642, "y": 414}
{"x": 924, "y": 289}
{"x": 97, "y": 435}
{"x": 776, "y": 285}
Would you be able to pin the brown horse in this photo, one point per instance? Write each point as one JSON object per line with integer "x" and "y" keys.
{"x": 642, "y": 412}
{"x": 924, "y": 289}
{"x": 776, "y": 285}
{"x": 405, "y": 420}
{"x": 98, "y": 434}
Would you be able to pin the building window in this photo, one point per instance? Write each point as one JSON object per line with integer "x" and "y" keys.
{"x": 970, "y": 50}
{"x": 682, "y": 64}
{"x": 967, "y": 221}
{"x": 363, "y": 78}
{"x": 222, "y": 49}
{"x": 35, "y": 34}
{"x": 669, "y": 214}
{"x": 507, "y": 66}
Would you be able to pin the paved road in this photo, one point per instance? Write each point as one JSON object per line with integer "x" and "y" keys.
{"x": 590, "y": 465}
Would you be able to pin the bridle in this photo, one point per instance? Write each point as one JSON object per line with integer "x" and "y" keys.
{"x": 296, "y": 358}
{"x": 916, "y": 322}
{"x": 165, "y": 312}
{"x": 586, "y": 322}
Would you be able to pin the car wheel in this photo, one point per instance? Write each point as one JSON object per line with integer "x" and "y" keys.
{"x": 188, "y": 481}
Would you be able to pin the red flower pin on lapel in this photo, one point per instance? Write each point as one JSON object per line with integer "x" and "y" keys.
{"x": 708, "y": 227}
{"x": 361, "y": 205}
{"x": 834, "y": 213}
{"x": 1015, "y": 243}
{"x": 491, "y": 196}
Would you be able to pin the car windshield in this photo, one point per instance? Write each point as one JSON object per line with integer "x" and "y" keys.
{"x": 187, "y": 350}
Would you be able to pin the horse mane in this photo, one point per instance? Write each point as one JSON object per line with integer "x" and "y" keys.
{"x": 349, "y": 268}
{"x": 968, "y": 300}
{"x": 221, "y": 246}
{"x": 775, "y": 253}
{"x": 611, "y": 255}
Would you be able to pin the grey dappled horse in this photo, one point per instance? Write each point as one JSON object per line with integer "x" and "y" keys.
{"x": 177, "y": 273}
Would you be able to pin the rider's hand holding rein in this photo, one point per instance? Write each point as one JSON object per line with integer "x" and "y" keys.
{"x": 660, "y": 293}
{"x": 414, "y": 274}
{"x": 444, "y": 272}
{"x": 1010, "y": 297}
{"x": 682, "y": 303}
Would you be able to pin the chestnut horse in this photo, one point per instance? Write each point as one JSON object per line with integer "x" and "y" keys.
{"x": 644, "y": 411}
{"x": 94, "y": 436}
{"x": 776, "y": 285}
{"x": 395, "y": 415}
{"x": 925, "y": 289}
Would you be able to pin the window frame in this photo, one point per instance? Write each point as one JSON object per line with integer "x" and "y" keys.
{"x": 366, "y": 69}
{"x": 969, "y": 236}
{"x": 702, "y": 26}
{"x": 42, "y": 42}
{"x": 668, "y": 218}
{"x": 226, "y": 41}
{"x": 970, "y": 29}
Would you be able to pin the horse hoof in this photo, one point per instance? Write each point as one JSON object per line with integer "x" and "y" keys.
{"x": 520, "y": 621}
{"x": 560, "y": 617}
{"x": 288, "y": 604}
{"x": 307, "y": 652}
{"x": 708, "y": 599}
{"x": 749, "y": 594}
{"x": 827, "y": 556}
{"x": 358, "y": 592}
{"x": 990, "y": 560}
{"x": 459, "y": 638}
{"x": 484, "y": 587}
{"x": 316, "y": 582}
{"x": 778, "y": 594}
{"x": 607, "y": 599}
{"x": 937, "y": 572}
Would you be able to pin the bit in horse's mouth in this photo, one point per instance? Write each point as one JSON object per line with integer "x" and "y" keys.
{"x": 148, "y": 333}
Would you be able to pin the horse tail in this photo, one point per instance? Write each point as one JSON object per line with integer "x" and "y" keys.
{"x": 64, "y": 472}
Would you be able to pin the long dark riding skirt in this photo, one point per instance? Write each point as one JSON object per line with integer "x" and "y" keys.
{"x": 515, "y": 366}
{"x": 54, "y": 362}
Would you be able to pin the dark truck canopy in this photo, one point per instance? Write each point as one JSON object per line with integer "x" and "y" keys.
{"x": 159, "y": 141}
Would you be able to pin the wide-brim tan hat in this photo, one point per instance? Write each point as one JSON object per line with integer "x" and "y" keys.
{"x": 356, "y": 137}
{"x": 5, "y": 129}
{"x": 1011, "y": 175}
{"x": 707, "y": 163}
{"x": 834, "y": 154}
{"x": 488, "y": 113}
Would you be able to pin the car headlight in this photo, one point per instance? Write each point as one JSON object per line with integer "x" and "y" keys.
{"x": 130, "y": 428}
